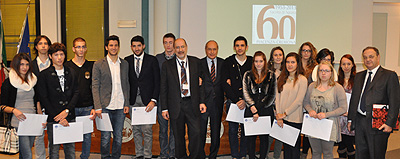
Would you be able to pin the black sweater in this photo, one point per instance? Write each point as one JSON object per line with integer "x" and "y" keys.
{"x": 84, "y": 75}
{"x": 234, "y": 71}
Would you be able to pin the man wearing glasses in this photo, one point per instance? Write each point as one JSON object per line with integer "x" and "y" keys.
{"x": 84, "y": 106}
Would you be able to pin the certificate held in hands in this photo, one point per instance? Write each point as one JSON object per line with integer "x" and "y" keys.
{"x": 235, "y": 114}
{"x": 141, "y": 117}
{"x": 261, "y": 127}
{"x": 286, "y": 134}
{"x": 316, "y": 128}
{"x": 68, "y": 134}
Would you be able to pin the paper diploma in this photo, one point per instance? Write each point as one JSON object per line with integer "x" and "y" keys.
{"x": 32, "y": 125}
{"x": 286, "y": 134}
{"x": 316, "y": 128}
{"x": 141, "y": 117}
{"x": 69, "y": 134}
{"x": 261, "y": 127}
{"x": 87, "y": 123}
{"x": 235, "y": 114}
{"x": 104, "y": 124}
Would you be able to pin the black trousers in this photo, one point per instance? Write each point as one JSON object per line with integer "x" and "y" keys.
{"x": 186, "y": 116}
{"x": 215, "y": 126}
{"x": 291, "y": 152}
{"x": 370, "y": 144}
{"x": 251, "y": 142}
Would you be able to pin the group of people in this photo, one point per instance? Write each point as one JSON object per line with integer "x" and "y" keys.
{"x": 189, "y": 91}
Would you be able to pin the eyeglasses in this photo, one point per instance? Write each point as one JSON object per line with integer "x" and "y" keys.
{"x": 80, "y": 47}
{"x": 326, "y": 59}
{"x": 304, "y": 50}
{"x": 325, "y": 71}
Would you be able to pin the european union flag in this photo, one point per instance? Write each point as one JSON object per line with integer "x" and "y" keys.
{"x": 24, "y": 43}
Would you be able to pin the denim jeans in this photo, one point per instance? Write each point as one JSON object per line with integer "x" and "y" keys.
{"x": 87, "y": 138}
{"x": 69, "y": 148}
{"x": 234, "y": 140}
{"x": 167, "y": 146}
{"x": 25, "y": 146}
{"x": 117, "y": 118}
{"x": 40, "y": 149}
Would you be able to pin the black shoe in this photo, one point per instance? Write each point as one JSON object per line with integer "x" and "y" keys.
{"x": 140, "y": 157}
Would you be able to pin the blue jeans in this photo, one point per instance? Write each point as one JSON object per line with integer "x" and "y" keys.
{"x": 87, "y": 138}
{"x": 40, "y": 149}
{"x": 167, "y": 146}
{"x": 69, "y": 148}
{"x": 234, "y": 140}
{"x": 25, "y": 146}
{"x": 117, "y": 118}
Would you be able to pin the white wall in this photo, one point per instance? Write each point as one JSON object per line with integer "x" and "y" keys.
{"x": 50, "y": 20}
{"x": 125, "y": 10}
{"x": 194, "y": 26}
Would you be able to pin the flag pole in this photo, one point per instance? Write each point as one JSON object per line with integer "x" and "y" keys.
{"x": 23, "y": 27}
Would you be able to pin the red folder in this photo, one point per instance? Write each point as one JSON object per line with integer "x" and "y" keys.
{"x": 379, "y": 116}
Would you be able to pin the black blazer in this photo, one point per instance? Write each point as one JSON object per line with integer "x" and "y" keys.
{"x": 170, "y": 90}
{"x": 213, "y": 92}
{"x": 52, "y": 98}
{"x": 148, "y": 81}
{"x": 383, "y": 89}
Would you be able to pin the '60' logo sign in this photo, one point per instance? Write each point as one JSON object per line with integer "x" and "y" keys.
{"x": 274, "y": 24}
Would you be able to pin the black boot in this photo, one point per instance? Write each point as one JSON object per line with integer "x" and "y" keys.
{"x": 351, "y": 155}
{"x": 342, "y": 153}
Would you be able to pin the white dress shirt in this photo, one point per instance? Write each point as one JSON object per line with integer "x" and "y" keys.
{"x": 178, "y": 65}
{"x": 43, "y": 65}
{"x": 117, "y": 96}
{"x": 209, "y": 63}
{"x": 140, "y": 61}
{"x": 365, "y": 81}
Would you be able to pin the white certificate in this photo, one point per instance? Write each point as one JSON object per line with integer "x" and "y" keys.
{"x": 87, "y": 123}
{"x": 261, "y": 127}
{"x": 348, "y": 97}
{"x": 286, "y": 134}
{"x": 141, "y": 117}
{"x": 316, "y": 128}
{"x": 69, "y": 134}
{"x": 104, "y": 124}
{"x": 235, "y": 114}
{"x": 32, "y": 125}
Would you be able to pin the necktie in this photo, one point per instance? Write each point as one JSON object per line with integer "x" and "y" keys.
{"x": 183, "y": 79}
{"x": 212, "y": 71}
{"x": 137, "y": 66}
{"x": 362, "y": 104}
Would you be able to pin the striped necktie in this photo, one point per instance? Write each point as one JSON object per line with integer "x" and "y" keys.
{"x": 183, "y": 79}
{"x": 212, "y": 70}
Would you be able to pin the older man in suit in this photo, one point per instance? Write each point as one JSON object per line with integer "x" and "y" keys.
{"x": 375, "y": 85}
{"x": 182, "y": 99}
{"x": 211, "y": 66}
{"x": 110, "y": 88}
{"x": 144, "y": 80}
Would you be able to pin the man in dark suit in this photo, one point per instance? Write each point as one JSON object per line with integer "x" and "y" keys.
{"x": 182, "y": 99}
{"x": 211, "y": 67}
{"x": 375, "y": 85}
{"x": 144, "y": 81}
{"x": 167, "y": 144}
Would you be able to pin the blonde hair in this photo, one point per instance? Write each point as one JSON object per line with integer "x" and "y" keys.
{"x": 331, "y": 81}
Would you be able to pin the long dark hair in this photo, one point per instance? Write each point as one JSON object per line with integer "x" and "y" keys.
{"x": 285, "y": 73}
{"x": 264, "y": 71}
{"x": 16, "y": 62}
{"x": 311, "y": 63}
{"x": 271, "y": 62}
{"x": 36, "y": 42}
{"x": 352, "y": 74}
{"x": 324, "y": 53}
